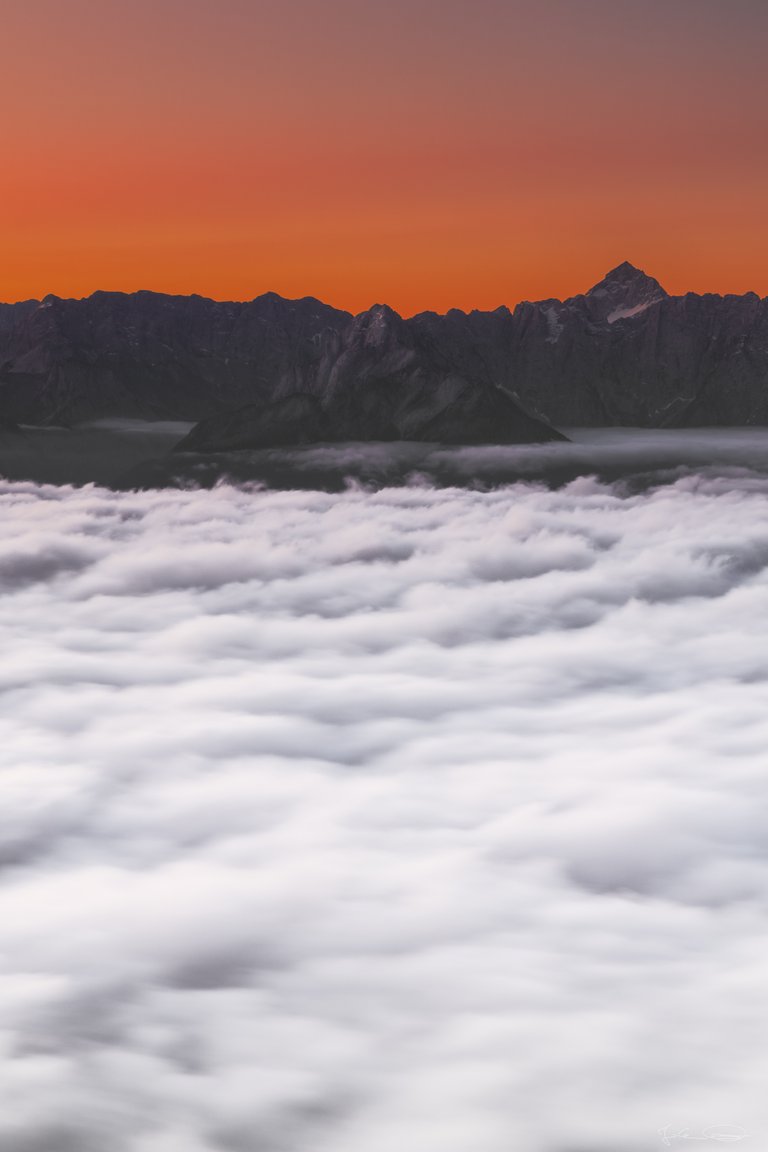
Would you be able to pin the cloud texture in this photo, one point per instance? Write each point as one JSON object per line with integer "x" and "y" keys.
{"x": 430, "y": 819}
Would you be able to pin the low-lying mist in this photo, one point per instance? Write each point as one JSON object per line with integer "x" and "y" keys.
{"x": 130, "y": 454}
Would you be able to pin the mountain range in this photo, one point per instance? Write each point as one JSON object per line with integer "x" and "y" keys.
{"x": 273, "y": 371}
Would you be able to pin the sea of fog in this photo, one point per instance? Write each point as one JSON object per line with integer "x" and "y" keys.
{"x": 418, "y": 817}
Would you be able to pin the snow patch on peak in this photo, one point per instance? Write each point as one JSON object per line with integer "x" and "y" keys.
{"x": 626, "y": 313}
{"x": 554, "y": 326}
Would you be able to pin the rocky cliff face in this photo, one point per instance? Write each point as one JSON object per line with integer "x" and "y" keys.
{"x": 280, "y": 371}
{"x": 155, "y": 356}
{"x": 383, "y": 378}
{"x": 268, "y": 372}
{"x": 626, "y": 353}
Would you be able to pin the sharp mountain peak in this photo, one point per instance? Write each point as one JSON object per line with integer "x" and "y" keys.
{"x": 625, "y": 278}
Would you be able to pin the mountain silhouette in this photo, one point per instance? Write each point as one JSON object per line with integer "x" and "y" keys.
{"x": 277, "y": 371}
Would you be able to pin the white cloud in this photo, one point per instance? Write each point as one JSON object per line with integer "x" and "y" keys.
{"x": 420, "y": 818}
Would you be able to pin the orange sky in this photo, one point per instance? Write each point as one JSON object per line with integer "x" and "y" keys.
{"x": 429, "y": 153}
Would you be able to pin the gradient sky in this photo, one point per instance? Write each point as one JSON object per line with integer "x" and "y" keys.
{"x": 429, "y": 153}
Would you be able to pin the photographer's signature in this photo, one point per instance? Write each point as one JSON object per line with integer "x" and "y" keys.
{"x": 727, "y": 1133}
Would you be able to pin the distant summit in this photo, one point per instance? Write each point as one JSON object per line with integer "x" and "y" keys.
{"x": 624, "y": 292}
{"x": 625, "y": 277}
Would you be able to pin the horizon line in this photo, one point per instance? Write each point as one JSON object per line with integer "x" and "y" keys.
{"x": 53, "y": 296}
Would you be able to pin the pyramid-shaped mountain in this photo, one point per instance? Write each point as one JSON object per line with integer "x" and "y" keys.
{"x": 623, "y": 293}
{"x": 626, "y": 280}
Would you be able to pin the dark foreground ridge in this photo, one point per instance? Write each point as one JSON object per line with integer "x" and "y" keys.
{"x": 273, "y": 372}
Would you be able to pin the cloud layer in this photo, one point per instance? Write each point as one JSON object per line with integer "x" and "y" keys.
{"x": 427, "y": 818}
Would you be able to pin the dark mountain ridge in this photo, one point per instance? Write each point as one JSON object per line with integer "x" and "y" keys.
{"x": 276, "y": 371}
{"x": 153, "y": 356}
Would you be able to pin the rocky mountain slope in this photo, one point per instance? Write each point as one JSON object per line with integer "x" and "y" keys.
{"x": 383, "y": 378}
{"x": 275, "y": 371}
{"x": 154, "y": 356}
{"x": 267, "y": 372}
{"x": 627, "y": 353}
